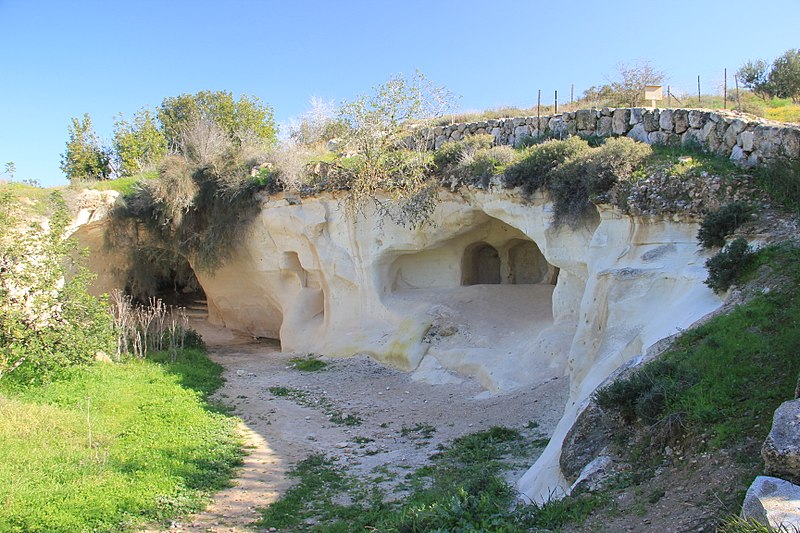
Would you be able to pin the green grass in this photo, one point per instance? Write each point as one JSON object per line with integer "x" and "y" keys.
{"x": 460, "y": 490}
{"x": 124, "y": 186}
{"x": 307, "y": 364}
{"x": 113, "y": 445}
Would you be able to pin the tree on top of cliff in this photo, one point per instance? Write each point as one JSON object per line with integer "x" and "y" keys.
{"x": 138, "y": 144}
{"x": 244, "y": 121}
{"x": 386, "y": 141}
{"x": 85, "y": 158}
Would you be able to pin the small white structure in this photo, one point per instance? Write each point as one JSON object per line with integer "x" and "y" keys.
{"x": 654, "y": 93}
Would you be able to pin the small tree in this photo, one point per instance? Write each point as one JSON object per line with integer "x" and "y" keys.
{"x": 628, "y": 89}
{"x": 387, "y": 134}
{"x": 784, "y": 78}
{"x": 85, "y": 158}
{"x": 753, "y": 75}
{"x": 138, "y": 145}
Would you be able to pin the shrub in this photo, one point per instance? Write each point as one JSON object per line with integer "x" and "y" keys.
{"x": 725, "y": 267}
{"x": 781, "y": 180}
{"x": 716, "y": 225}
{"x": 592, "y": 172}
{"x": 532, "y": 171}
{"x": 48, "y": 322}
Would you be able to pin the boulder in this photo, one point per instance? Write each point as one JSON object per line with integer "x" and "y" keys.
{"x": 781, "y": 450}
{"x": 746, "y": 140}
{"x": 774, "y": 502}
{"x": 638, "y": 133}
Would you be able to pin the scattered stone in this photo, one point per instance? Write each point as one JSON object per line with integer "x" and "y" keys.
{"x": 781, "y": 450}
{"x": 773, "y": 501}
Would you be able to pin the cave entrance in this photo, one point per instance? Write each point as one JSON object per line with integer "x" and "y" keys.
{"x": 159, "y": 273}
{"x": 481, "y": 265}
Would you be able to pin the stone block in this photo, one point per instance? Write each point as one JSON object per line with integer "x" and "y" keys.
{"x": 621, "y": 120}
{"x": 773, "y": 502}
{"x": 790, "y": 141}
{"x": 680, "y": 118}
{"x": 586, "y": 120}
{"x": 745, "y": 140}
{"x": 781, "y": 449}
{"x": 696, "y": 119}
{"x": 636, "y": 115}
{"x": 650, "y": 120}
{"x": 638, "y": 133}
{"x": 665, "y": 121}
{"x": 604, "y": 126}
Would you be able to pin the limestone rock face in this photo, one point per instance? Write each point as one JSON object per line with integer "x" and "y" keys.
{"x": 774, "y": 502}
{"x": 781, "y": 450}
{"x": 490, "y": 289}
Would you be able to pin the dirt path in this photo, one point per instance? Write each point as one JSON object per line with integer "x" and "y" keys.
{"x": 286, "y": 416}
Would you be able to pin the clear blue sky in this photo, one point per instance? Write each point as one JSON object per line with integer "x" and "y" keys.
{"x": 60, "y": 59}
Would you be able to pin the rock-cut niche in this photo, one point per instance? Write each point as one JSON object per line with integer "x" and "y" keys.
{"x": 516, "y": 262}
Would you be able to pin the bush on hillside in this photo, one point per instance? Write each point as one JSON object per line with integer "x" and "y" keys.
{"x": 717, "y": 225}
{"x": 726, "y": 267}
{"x": 532, "y": 170}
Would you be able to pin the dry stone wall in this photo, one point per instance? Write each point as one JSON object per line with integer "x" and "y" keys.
{"x": 747, "y": 141}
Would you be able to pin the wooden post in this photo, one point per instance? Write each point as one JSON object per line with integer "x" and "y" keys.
{"x": 555, "y": 111}
{"x": 571, "y": 94}
{"x": 725, "y": 89}
{"x": 539, "y": 114}
{"x": 699, "y": 102}
{"x": 669, "y": 97}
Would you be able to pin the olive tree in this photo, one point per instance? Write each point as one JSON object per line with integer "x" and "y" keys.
{"x": 386, "y": 137}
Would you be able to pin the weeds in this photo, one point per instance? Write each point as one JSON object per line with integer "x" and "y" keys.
{"x": 308, "y": 364}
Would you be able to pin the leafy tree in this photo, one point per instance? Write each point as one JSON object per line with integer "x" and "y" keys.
{"x": 10, "y": 169}
{"x": 244, "y": 121}
{"x": 784, "y": 78}
{"x": 753, "y": 75}
{"x": 139, "y": 144}
{"x": 388, "y": 156}
{"x": 85, "y": 158}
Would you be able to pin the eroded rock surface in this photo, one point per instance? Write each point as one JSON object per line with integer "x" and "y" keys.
{"x": 773, "y": 501}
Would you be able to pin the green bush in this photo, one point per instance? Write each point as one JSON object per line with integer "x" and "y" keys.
{"x": 726, "y": 267}
{"x": 48, "y": 322}
{"x": 717, "y": 225}
{"x": 533, "y": 169}
{"x": 592, "y": 172}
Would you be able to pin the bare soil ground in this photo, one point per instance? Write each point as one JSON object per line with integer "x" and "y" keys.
{"x": 402, "y": 420}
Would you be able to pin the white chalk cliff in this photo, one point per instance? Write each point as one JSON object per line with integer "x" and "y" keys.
{"x": 491, "y": 289}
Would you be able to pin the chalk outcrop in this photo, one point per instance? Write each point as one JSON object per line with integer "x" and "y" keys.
{"x": 774, "y": 502}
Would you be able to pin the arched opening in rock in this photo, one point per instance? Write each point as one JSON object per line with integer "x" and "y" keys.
{"x": 480, "y": 265}
{"x": 309, "y": 300}
{"x": 527, "y": 265}
{"x": 163, "y": 274}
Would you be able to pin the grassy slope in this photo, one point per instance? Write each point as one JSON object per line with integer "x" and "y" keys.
{"x": 113, "y": 444}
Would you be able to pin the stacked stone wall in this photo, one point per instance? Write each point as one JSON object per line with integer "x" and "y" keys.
{"x": 746, "y": 141}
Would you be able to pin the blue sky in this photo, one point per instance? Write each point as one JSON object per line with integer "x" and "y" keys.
{"x": 60, "y": 59}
